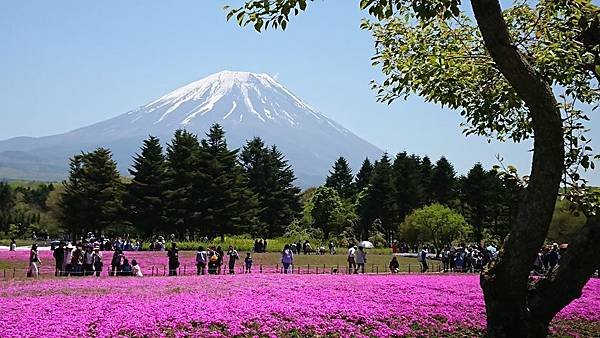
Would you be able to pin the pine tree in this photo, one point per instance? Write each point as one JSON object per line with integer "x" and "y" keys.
{"x": 184, "y": 203}
{"x": 408, "y": 184}
{"x": 145, "y": 200}
{"x": 340, "y": 179}
{"x": 92, "y": 200}
{"x": 426, "y": 177}
{"x": 230, "y": 204}
{"x": 364, "y": 175}
{"x": 377, "y": 202}
{"x": 443, "y": 182}
{"x": 271, "y": 178}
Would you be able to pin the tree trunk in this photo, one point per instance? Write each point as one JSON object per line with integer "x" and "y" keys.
{"x": 505, "y": 281}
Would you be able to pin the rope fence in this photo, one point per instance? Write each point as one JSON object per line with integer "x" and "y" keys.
{"x": 185, "y": 270}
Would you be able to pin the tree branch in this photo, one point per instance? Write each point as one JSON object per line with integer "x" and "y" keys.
{"x": 576, "y": 267}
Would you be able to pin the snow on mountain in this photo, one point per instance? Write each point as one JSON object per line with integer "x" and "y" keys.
{"x": 245, "y": 104}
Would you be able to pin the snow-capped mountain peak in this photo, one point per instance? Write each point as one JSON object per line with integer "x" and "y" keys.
{"x": 236, "y": 96}
{"x": 245, "y": 104}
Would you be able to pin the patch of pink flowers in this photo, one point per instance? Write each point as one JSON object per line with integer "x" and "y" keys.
{"x": 255, "y": 305}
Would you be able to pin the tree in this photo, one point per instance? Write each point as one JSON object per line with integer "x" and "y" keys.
{"x": 435, "y": 223}
{"x": 363, "y": 176}
{"x": 499, "y": 72}
{"x": 408, "y": 185}
{"x": 230, "y": 205}
{"x": 340, "y": 179}
{"x": 377, "y": 201}
{"x": 426, "y": 176}
{"x": 184, "y": 185}
{"x": 271, "y": 178}
{"x": 443, "y": 182}
{"x": 326, "y": 205}
{"x": 144, "y": 198}
{"x": 92, "y": 199}
{"x": 7, "y": 202}
{"x": 477, "y": 193}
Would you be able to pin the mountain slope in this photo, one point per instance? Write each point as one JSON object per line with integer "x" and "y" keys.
{"x": 245, "y": 104}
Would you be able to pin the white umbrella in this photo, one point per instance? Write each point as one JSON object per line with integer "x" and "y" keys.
{"x": 491, "y": 249}
{"x": 366, "y": 245}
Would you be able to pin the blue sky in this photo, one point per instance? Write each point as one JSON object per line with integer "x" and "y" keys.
{"x": 67, "y": 64}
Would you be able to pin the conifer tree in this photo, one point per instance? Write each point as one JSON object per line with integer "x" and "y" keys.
{"x": 426, "y": 176}
{"x": 183, "y": 193}
{"x": 408, "y": 185}
{"x": 340, "y": 179}
{"x": 364, "y": 175}
{"x": 377, "y": 202}
{"x": 92, "y": 200}
{"x": 230, "y": 205}
{"x": 145, "y": 200}
{"x": 443, "y": 182}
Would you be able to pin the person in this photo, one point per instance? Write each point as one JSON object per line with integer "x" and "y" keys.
{"x": 125, "y": 268}
{"x": 306, "y": 247}
{"x": 553, "y": 257}
{"x": 59, "y": 256}
{"x": 423, "y": 260}
{"x": 116, "y": 262}
{"x": 136, "y": 270}
{"x": 351, "y": 259}
{"x": 265, "y": 245}
{"x": 287, "y": 258}
{"x": 299, "y": 247}
{"x": 248, "y": 263}
{"x": 173, "y": 255}
{"x": 13, "y": 244}
{"x": 66, "y": 266}
{"x": 97, "y": 261}
{"x": 201, "y": 260}
{"x": 361, "y": 260}
{"x": 394, "y": 265}
{"x": 88, "y": 262}
{"x": 77, "y": 261}
{"x": 220, "y": 255}
{"x": 213, "y": 260}
{"x": 446, "y": 259}
{"x": 233, "y": 256}
{"x": 331, "y": 248}
{"x": 34, "y": 260}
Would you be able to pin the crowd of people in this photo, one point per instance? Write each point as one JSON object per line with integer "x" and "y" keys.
{"x": 85, "y": 258}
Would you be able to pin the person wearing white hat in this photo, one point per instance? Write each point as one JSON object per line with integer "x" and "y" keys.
{"x": 66, "y": 267}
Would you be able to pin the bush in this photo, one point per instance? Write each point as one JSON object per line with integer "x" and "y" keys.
{"x": 378, "y": 240}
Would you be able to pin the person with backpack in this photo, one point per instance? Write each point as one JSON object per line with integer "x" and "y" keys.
{"x": 233, "y": 256}
{"x": 59, "y": 256}
{"x": 423, "y": 260}
{"x": 213, "y": 260}
{"x": 361, "y": 260}
{"x": 173, "y": 255}
{"x": 126, "y": 269}
{"x": 248, "y": 263}
{"x": 351, "y": 259}
{"x": 88, "y": 262}
{"x": 201, "y": 260}
{"x": 97, "y": 258}
{"x": 115, "y": 263}
{"x": 287, "y": 258}
{"x": 77, "y": 261}
{"x": 394, "y": 265}
{"x": 220, "y": 255}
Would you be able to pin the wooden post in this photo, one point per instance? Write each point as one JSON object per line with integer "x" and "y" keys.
{"x": 377, "y": 269}
{"x": 308, "y": 269}
{"x": 277, "y": 268}
{"x": 317, "y": 270}
{"x": 408, "y": 267}
{"x": 14, "y": 272}
{"x": 260, "y": 268}
{"x": 372, "y": 268}
{"x": 164, "y": 270}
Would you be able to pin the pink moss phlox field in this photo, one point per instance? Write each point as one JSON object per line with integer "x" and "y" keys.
{"x": 255, "y": 305}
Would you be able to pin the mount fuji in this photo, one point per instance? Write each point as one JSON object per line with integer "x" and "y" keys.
{"x": 245, "y": 104}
